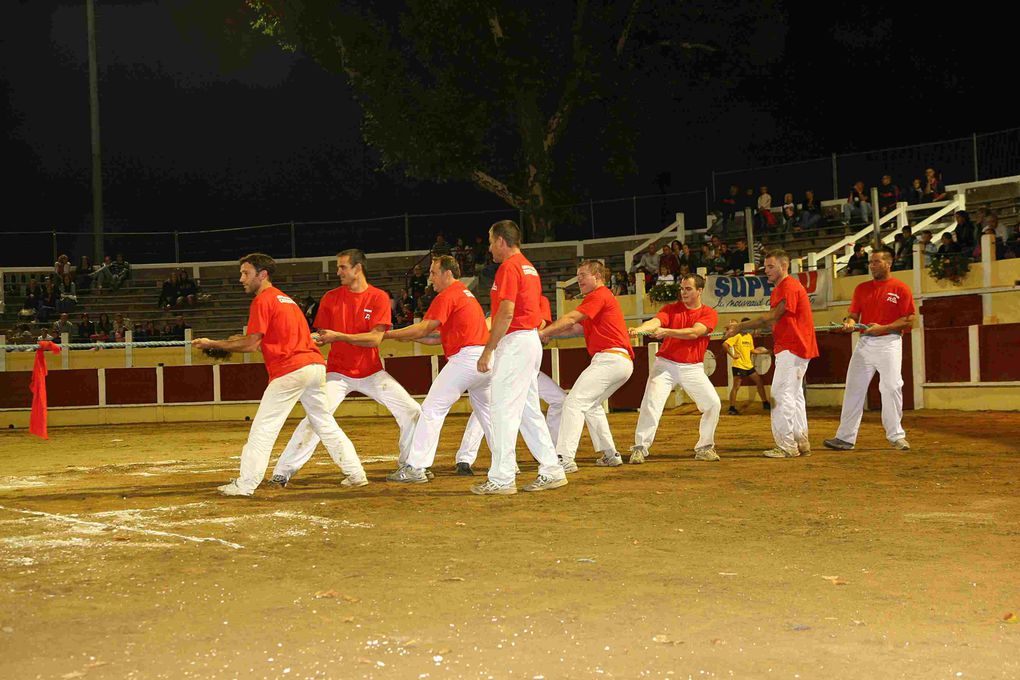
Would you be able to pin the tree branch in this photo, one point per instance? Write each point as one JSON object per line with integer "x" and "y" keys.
{"x": 627, "y": 25}
{"x": 554, "y": 128}
{"x": 493, "y": 185}
{"x": 497, "y": 30}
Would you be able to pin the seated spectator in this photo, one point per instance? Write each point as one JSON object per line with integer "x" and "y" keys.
{"x": 103, "y": 274}
{"x": 810, "y": 212}
{"x": 701, "y": 258}
{"x": 927, "y": 247}
{"x": 151, "y": 332}
{"x": 857, "y": 208}
{"x": 948, "y": 246}
{"x": 139, "y": 334}
{"x": 168, "y": 292}
{"x": 311, "y": 306}
{"x": 30, "y": 305}
{"x": 177, "y": 330}
{"x": 665, "y": 276}
{"x": 83, "y": 274}
{"x": 720, "y": 261}
{"x": 764, "y": 218}
{"x": 67, "y": 291}
{"x": 104, "y": 329}
{"x": 120, "y": 271}
{"x": 62, "y": 266}
{"x": 45, "y": 335}
{"x": 86, "y": 328}
{"x": 440, "y": 247}
{"x": 789, "y": 216}
{"x": 426, "y": 298}
{"x": 903, "y": 253}
{"x": 933, "y": 187}
{"x": 726, "y": 210}
{"x": 480, "y": 249}
{"x": 417, "y": 282}
{"x": 915, "y": 194}
{"x": 966, "y": 232}
{"x": 619, "y": 283}
{"x": 668, "y": 260}
{"x": 120, "y": 327}
{"x": 979, "y": 221}
{"x": 1000, "y": 247}
{"x": 461, "y": 253}
{"x": 888, "y": 195}
{"x": 187, "y": 289}
{"x": 648, "y": 264}
{"x": 632, "y": 284}
{"x": 858, "y": 262}
{"x": 1001, "y": 230}
{"x": 1013, "y": 243}
{"x": 167, "y": 331}
{"x": 738, "y": 258}
{"x": 677, "y": 249}
{"x": 63, "y": 325}
{"x": 24, "y": 336}
{"x": 48, "y": 302}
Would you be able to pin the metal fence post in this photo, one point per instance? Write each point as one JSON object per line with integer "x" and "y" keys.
{"x": 407, "y": 231}
{"x": 591, "y": 209}
{"x": 876, "y": 237}
{"x": 55, "y": 253}
{"x": 976, "y": 172}
{"x": 634, "y": 203}
{"x": 177, "y": 247}
{"x": 835, "y": 179}
{"x": 293, "y": 240}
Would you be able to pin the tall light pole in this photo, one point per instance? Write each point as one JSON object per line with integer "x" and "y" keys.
{"x": 97, "y": 156}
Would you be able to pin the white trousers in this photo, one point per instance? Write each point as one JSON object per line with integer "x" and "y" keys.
{"x": 789, "y": 415}
{"x": 553, "y": 395}
{"x": 662, "y": 379}
{"x": 885, "y": 355}
{"x": 459, "y": 375}
{"x": 517, "y": 362}
{"x": 307, "y": 384}
{"x": 605, "y": 374}
{"x": 380, "y": 387}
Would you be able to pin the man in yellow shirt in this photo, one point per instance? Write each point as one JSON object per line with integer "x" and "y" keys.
{"x": 740, "y": 348}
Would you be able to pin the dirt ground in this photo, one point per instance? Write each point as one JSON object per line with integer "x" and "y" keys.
{"x": 870, "y": 564}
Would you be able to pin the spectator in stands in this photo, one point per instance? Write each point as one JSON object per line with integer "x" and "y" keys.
{"x": 966, "y": 232}
{"x": 788, "y": 218}
{"x": 764, "y": 219}
{"x": 417, "y": 282}
{"x": 103, "y": 274}
{"x": 857, "y": 208}
{"x": 48, "y": 302}
{"x": 30, "y": 305}
{"x": 67, "y": 291}
{"x": 24, "y": 335}
{"x": 462, "y": 254}
{"x": 62, "y": 266}
{"x": 927, "y": 247}
{"x": 311, "y": 307}
{"x": 665, "y": 276}
{"x": 632, "y": 284}
{"x": 426, "y": 298}
{"x": 120, "y": 327}
{"x": 648, "y": 265}
{"x": 948, "y": 246}
{"x": 858, "y": 262}
{"x": 83, "y": 274}
{"x": 167, "y": 331}
{"x": 168, "y": 292}
{"x": 1001, "y": 230}
{"x": 721, "y": 260}
{"x": 139, "y": 334}
{"x": 177, "y": 330}
{"x": 151, "y": 332}
{"x": 726, "y": 210}
{"x": 810, "y": 212}
{"x": 750, "y": 201}
{"x": 738, "y": 258}
{"x": 440, "y": 247}
{"x": 1013, "y": 243}
{"x": 701, "y": 258}
{"x": 668, "y": 260}
{"x": 888, "y": 195}
{"x": 120, "y": 270}
{"x": 1000, "y": 247}
{"x": 677, "y": 249}
{"x": 104, "y": 329}
{"x": 686, "y": 251}
{"x": 406, "y": 316}
{"x": 187, "y": 289}
{"x": 933, "y": 187}
{"x": 63, "y": 325}
{"x": 915, "y": 194}
{"x": 619, "y": 283}
{"x": 480, "y": 249}
{"x": 86, "y": 328}
{"x": 45, "y": 335}
{"x": 903, "y": 252}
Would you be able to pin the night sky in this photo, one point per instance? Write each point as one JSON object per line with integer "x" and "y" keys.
{"x": 188, "y": 143}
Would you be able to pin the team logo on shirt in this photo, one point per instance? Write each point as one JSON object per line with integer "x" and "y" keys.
{"x": 493, "y": 287}
{"x": 529, "y": 270}
{"x": 368, "y": 314}
{"x": 893, "y": 298}
{"x": 285, "y": 300}
{"x": 468, "y": 293}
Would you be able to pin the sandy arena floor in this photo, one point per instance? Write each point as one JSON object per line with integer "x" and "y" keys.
{"x": 871, "y": 564}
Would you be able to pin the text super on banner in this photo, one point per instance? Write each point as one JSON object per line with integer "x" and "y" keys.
{"x": 751, "y": 293}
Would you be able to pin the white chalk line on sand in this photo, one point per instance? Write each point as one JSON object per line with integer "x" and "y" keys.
{"x": 118, "y": 527}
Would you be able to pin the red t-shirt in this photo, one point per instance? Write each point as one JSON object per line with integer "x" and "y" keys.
{"x": 795, "y": 330}
{"x": 286, "y": 343}
{"x": 517, "y": 280}
{"x": 545, "y": 309}
{"x": 882, "y": 302}
{"x": 461, "y": 319}
{"x": 677, "y": 315}
{"x": 604, "y": 328}
{"x": 345, "y": 311}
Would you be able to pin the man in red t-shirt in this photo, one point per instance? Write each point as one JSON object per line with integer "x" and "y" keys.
{"x": 684, "y": 327}
{"x": 514, "y": 355}
{"x": 794, "y": 346}
{"x": 886, "y": 306}
{"x": 297, "y": 371}
{"x": 353, "y": 309}
{"x": 554, "y": 396}
{"x": 462, "y": 332}
{"x": 600, "y": 319}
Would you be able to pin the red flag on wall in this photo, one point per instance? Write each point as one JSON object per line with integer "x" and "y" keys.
{"x": 37, "y": 423}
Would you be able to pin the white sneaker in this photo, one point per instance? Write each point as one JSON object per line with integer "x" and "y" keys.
{"x": 638, "y": 455}
{"x": 609, "y": 459}
{"x": 568, "y": 465}
{"x": 544, "y": 483}
{"x": 780, "y": 453}
{"x": 706, "y": 453}
{"x": 901, "y": 445}
{"x": 804, "y": 446}
{"x": 408, "y": 475}
{"x": 490, "y": 488}
{"x": 355, "y": 480}
{"x": 232, "y": 489}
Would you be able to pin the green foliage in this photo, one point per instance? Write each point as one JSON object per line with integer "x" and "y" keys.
{"x": 952, "y": 266}
{"x": 665, "y": 292}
